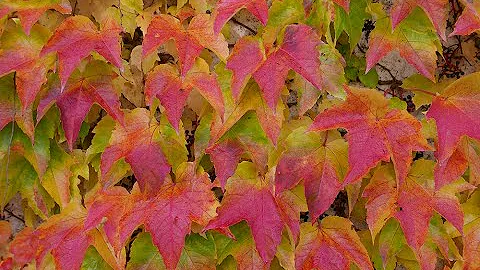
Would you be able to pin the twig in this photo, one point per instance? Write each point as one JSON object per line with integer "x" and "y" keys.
{"x": 244, "y": 26}
{"x": 13, "y": 215}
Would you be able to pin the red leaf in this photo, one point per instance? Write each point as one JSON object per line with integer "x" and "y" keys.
{"x": 436, "y": 11}
{"x": 167, "y": 216}
{"x": 190, "y": 42}
{"x": 298, "y": 52}
{"x": 413, "y": 38}
{"x": 30, "y": 11}
{"x": 332, "y": 245}
{"x": 172, "y": 90}
{"x": 135, "y": 142}
{"x": 469, "y": 21}
{"x": 413, "y": 203}
{"x": 387, "y": 133}
{"x": 63, "y": 235}
{"x": 455, "y": 112}
{"x": 77, "y": 37}
{"x": 227, "y": 8}
{"x": 317, "y": 160}
{"x": 251, "y": 198}
{"x": 21, "y": 53}
{"x": 94, "y": 85}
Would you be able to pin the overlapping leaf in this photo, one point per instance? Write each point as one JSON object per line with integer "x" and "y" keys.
{"x": 413, "y": 38}
{"x": 137, "y": 142}
{"x": 168, "y": 215}
{"x": 320, "y": 160}
{"x": 251, "y": 198}
{"x": 30, "y": 12}
{"x": 333, "y": 245}
{"x": 436, "y": 11}
{"x": 77, "y": 37}
{"x": 172, "y": 90}
{"x": 93, "y": 85}
{"x": 388, "y": 133}
{"x": 455, "y": 113}
{"x": 21, "y": 53}
{"x": 190, "y": 42}
{"x": 298, "y": 52}
{"x": 469, "y": 21}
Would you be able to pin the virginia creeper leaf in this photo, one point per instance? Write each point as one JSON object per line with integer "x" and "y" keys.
{"x": 189, "y": 42}
{"x": 21, "y": 53}
{"x": 320, "y": 159}
{"x": 137, "y": 143}
{"x": 455, "y": 113}
{"x": 172, "y": 90}
{"x": 93, "y": 85}
{"x": 469, "y": 21}
{"x": 387, "y": 133}
{"x": 11, "y": 110}
{"x": 436, "y": 11}
{"x": 298, "y": 52}
{"x": 30, "y": 12}
{"x": 226, "y": 9}
{"x": 167, "y": 216}
{"x": 198, "y": 253}
{"x": 251, "y": 198}
{"x": 77, "y": 37}
{"x": 333, "y": 245}
{"x": 60, "y": 235}
{"x": 413, "y": 38}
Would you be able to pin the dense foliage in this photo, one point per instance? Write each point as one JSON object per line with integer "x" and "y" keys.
{"x": 146, "y": 134}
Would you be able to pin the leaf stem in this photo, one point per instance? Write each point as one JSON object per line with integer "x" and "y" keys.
{"x": 422, "y": 91}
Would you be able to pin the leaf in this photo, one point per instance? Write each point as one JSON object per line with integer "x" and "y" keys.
{"x": 93, "y": 261}
{"x": 436, "y": 11}
{"x": 469, "y": 21}
{"x": 251, "y": 198}
{"x": 172, "y": 90}
{"x": 30, "y": 12}
{"x": 10, "y": 108}
{"x": 198, "y": 253}
{"x": 189, "y": 42}
{"x": 349, "y": 20}
{"x": 298, "y": 52}
{"x": 21, "y": 53}
{"x": 245, "y": 137}
{"x": 281, "y": 14}
{"x": 226, "y": 9}
{"x": 320, "y": 160}
{"x": 455, "y": 113}
{"x": 56, "y": 179}
{"x": 138, "y": 143}
{"x": 382, "y": 196}
{"x": 167, "y": 216}
{"x": 333, "y": 245}
{"x": 242, "y": 248}
{"x": 414, "y": 203}
{"x": 387, "y": 133}
{"x": 472, "y": 232}
{"x": 76, "y": 37}
{"x": 93, "y": 85}
{"x": 413, "y": 38}
{"x": 424, "y": 89}
{"x": 59, "y": 235}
